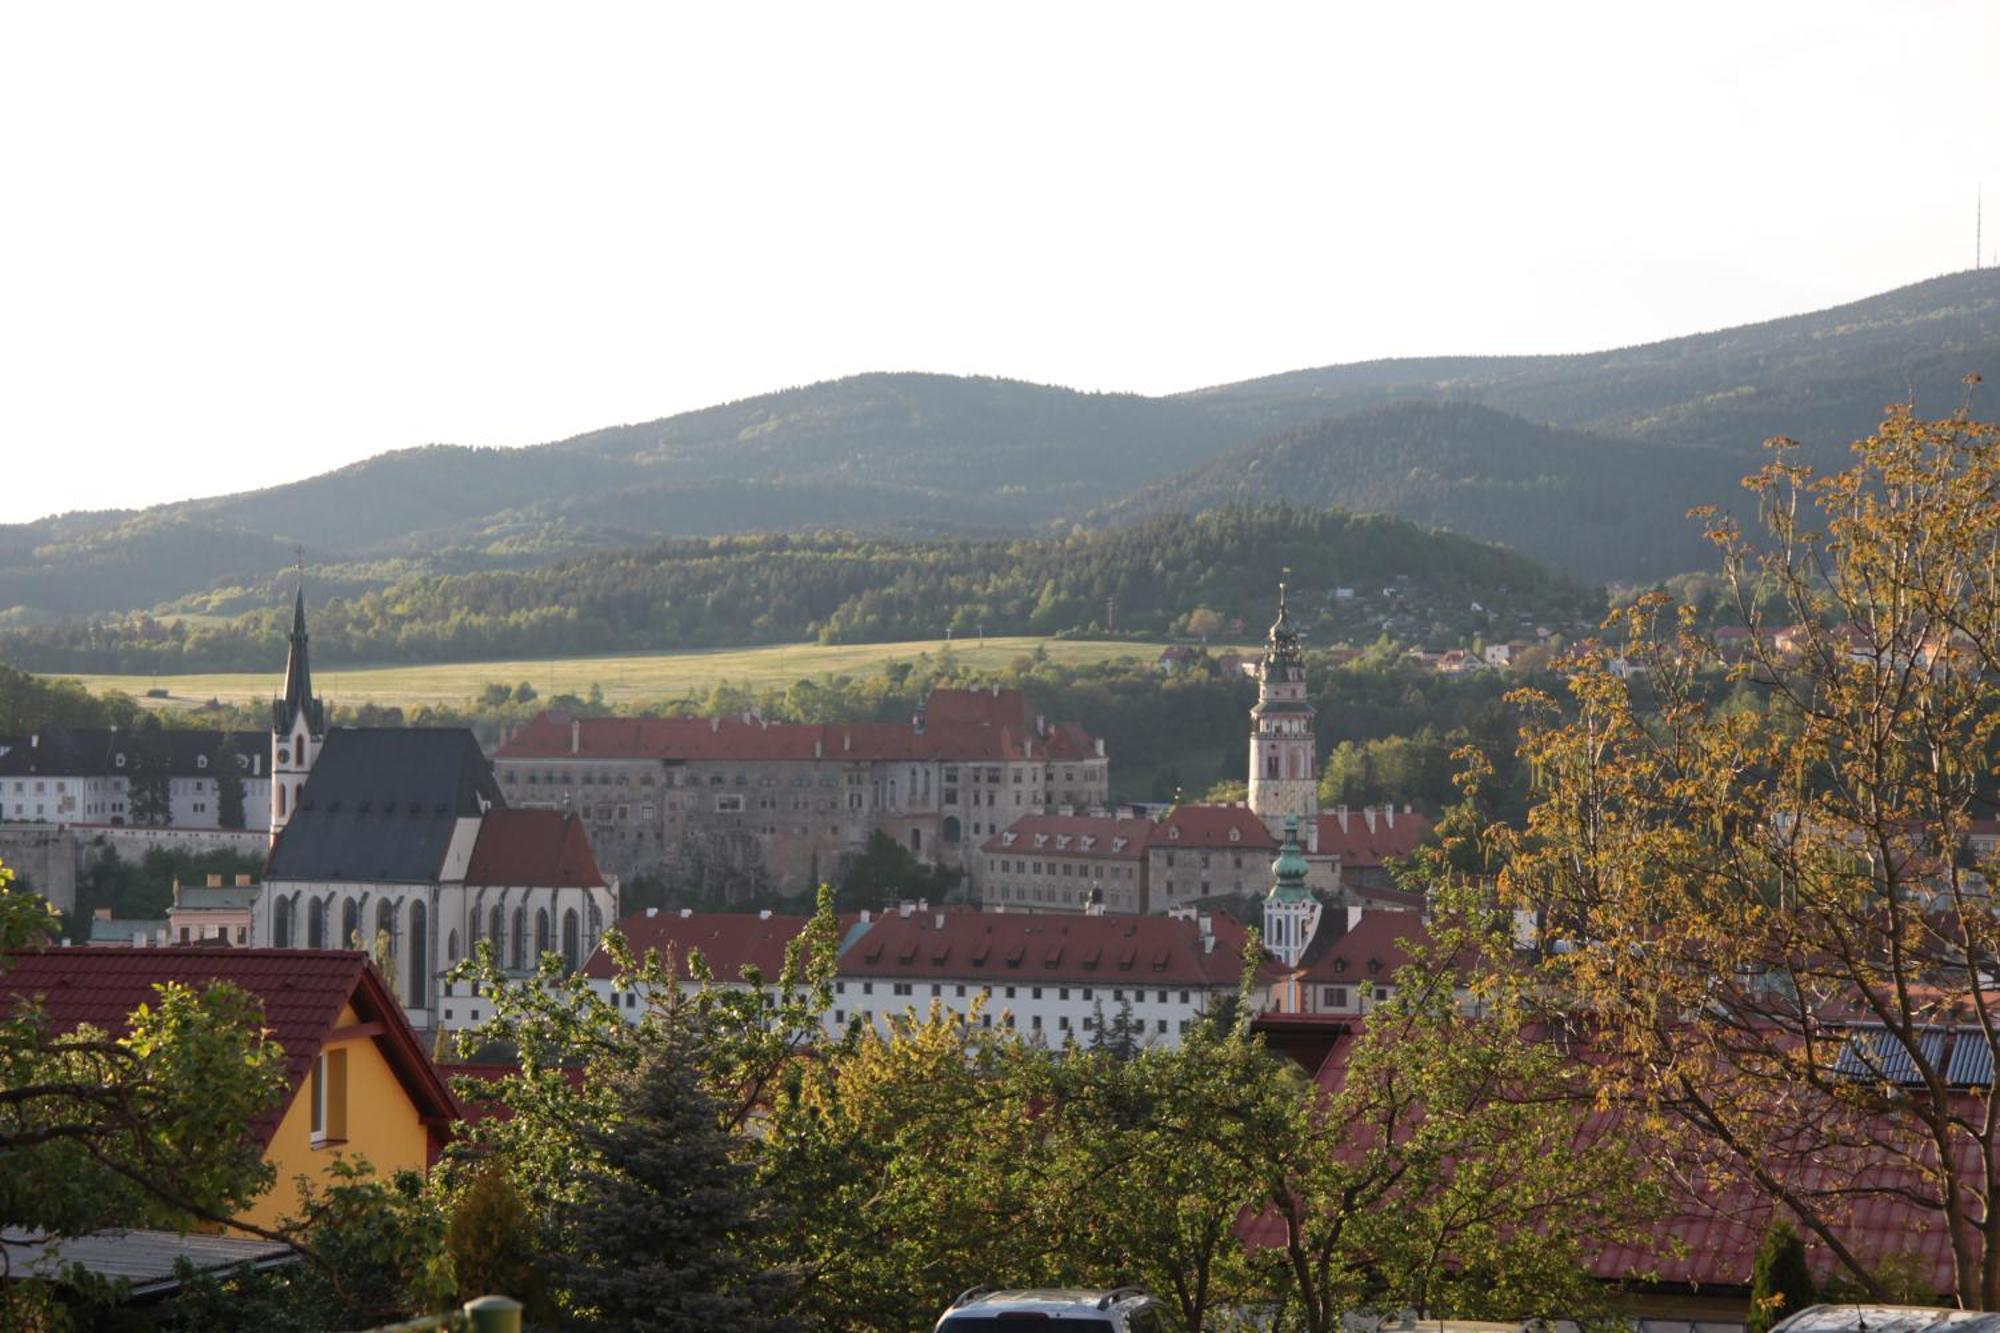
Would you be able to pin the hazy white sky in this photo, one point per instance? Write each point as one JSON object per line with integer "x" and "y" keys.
{"x": 240, "y": 244}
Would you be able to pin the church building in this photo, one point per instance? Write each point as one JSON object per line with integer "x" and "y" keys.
{"x": 399, "y": 839}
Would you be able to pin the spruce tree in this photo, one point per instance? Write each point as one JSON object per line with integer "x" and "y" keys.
{"x": 1780, "y": 1283}
{"x": 149, "y": 788}
{"x": 661, "y": 1232}
{"x": 229, "y": 783}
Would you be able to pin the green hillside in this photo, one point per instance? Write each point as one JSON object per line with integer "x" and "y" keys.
{"x": 730, "y": 592}
{"x": 1573, "y": 501}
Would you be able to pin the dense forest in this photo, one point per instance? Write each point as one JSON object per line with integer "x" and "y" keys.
{"x": 716, "y": 592}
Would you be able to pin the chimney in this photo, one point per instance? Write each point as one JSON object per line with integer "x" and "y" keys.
{"x": 715, "y": 724}
{"x": 846, "y": 741}
{"x": 917, "y": 722}
{"x": 215, "y": 881}
{"x": 245, "y": 882}
{"x": 940, "y": 920}
{"x": 686, "y": 912}
{"x": 576, "y": 735}
{"x": 652, "y": 912}
{"x": 923, "y": 904}
{"x": 1368, "y": 813}
{"x": 1353, "y": 916}
{"x": 904, "y": 908}
{"x": 866, "y": 916}
{"x": 1340, "y": 813}
{"x": 102, "y": 914}
{"x": 1205, "y": 923}
{"x": 1389, "y": 814}
{"x": 1100, "y": 747}
{"x": 819, "y": 748}
{"x": 763, "y": 914}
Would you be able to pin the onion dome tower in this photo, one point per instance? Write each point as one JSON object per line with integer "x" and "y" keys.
{"x": 1291, "y": 913}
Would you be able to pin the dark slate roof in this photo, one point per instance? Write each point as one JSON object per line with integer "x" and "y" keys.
{"x": 533, "y": 848}
{"x": 381, "y": 804}
{"x": 95, "y": 752}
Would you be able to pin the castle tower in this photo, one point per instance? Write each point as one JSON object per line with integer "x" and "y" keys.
{"x": 298, "y": 725}
{"x": 1284, "y": 768}
{"x": 1291, "y": 913}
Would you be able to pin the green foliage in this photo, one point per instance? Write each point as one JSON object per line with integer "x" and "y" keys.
{"x": 1780, "y": 1283}
{"x": 29, "y": 703}
{"x": 99, "y": 1131}
{"x": 836, "y": 588}
{"x": 491, "y": 1241}
{"x": 667, "y": 1214}
{"x": 143, "y": 889}
{"x": 886, "y": 871}
{"x": 149, "y": 784}
{"x": 229, "y": 812}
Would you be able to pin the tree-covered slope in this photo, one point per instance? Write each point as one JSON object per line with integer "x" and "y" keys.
{"x": 1822, "y": 378}
{"x": 1592, "y": 505}
{"x": 694, "y": 593}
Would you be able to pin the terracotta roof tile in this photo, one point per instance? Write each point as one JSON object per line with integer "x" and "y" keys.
{"x": 532, "y": 848}
{"x": 1395, "y": 834}
{"x": 1109, "y": 839}
{"x": 1003, "y": 946}
{"x": 1211, "y": 826}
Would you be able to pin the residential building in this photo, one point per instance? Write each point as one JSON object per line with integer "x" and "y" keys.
{"x": 212, "y": 913}
{"x": 1202, "y": 851}
{"x": 1350, "y": 965}
{"x": 85, "y": 775}
{"x": 358, "y": 1082}
{"x": 1046, "y": 977}
{"x": 1065, "y": 863}
{"x": 107, "y": 931}
{"x": 740, "y": 803}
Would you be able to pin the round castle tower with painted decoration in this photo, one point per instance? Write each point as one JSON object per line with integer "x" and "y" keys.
{"x": 1284, "y": 768}
{"x": 1291, "y": 912}
{"x": 298, "y": 726}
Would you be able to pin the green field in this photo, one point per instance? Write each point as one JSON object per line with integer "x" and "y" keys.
{"x": 623, "y": 679}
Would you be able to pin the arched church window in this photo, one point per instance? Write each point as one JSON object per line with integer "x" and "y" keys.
{"x": 280, "y": 789}
{"x": 544, "y": 937}
{"x": 572, "y": 943}
{"x": 451, "y": 947}
{"x": 596, "y": 929}
{"x": 952, "y": 828}
{"x": 350, "y": 925}
{"x": 281, "y": 924}
{"x": 316, "y": 909}
{"x": 419, "y": 951}
{"x": 495, "y": 933}
{"x": 518, "y": 957}
{"x": 385, "y": 923}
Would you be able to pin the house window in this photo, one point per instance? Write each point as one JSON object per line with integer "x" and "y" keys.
{"x": 1335, "y": 997}
{"x": 329, "y": 1097}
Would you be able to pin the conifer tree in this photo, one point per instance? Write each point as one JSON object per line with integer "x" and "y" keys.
{"x": 1780, "y": 1283}
{"x": 229, "y": 783}
{"x": 663, "y": 1223}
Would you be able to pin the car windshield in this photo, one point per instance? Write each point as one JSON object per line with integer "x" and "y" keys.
{"x": 1019, "y": 1321}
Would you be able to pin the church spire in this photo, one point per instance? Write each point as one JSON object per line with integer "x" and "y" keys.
{"x": 298, "y": 725}
{"x": 298, "y": 705}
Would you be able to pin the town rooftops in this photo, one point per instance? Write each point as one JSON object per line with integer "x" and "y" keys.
{"x": 1020, "y": 946}
{"x": 1368, "y": 952}
{"x": 110, "y": 752}
{"x": 381, "y": 805}
{"x": 1089, "y": 836}
{"x": 1369, "y": 836}
{"x": 728, "y": 941}
{"x": 302, "y": 991}
{"x": 747, "y": 737}
{"x": 533, "y": 849}
{"x": 1212, "y": 826}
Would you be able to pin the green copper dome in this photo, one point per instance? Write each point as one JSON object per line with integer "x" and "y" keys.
{"x": 1289, "y": 869}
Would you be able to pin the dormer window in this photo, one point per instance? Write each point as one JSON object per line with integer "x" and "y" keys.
{"x": 1236, "y": 835}
{"x": 1174, "y": 831}
{"x": 1088, "y": 842}
{"x": 1041, "y": 840}
{"x": 1118, "y": 844}
{"x": 201, "y": 761}
{"x": 120, "y": 761}
{"x": 1006, "y": 840}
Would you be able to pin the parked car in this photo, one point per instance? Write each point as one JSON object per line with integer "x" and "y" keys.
{"x": 1123, "y": 1310}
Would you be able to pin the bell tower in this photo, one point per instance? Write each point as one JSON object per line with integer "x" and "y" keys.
{"x": 1284, "y": 767}
{"x": 298, "y": 725}
{"x": 1291, "y": 913}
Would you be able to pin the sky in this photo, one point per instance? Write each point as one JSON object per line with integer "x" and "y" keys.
{"x": 243, "y": 244}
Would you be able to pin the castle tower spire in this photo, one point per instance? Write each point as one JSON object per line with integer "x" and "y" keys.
{"x": 1291, "y": 913}
{"x": 1284, "y": 764}
{"x": 298, "y": 724}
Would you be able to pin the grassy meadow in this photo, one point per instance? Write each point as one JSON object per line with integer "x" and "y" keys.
{"x": 624, "y": 678}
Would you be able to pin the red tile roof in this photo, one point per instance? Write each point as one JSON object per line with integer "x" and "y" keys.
{"x": 539, "y": 849}
{"x": 1394, "y": 834}
{"x": 697, "y": 739}
{"x": 1105, "y": 836}
{"x": 985, "y": 708}
{"x": 980, "y": 946}
{"x": 302, "y": 992}
{"x": 1210, "y": 826}
{"x": 728, "y": 941}
{"x": 1369, "y": 951}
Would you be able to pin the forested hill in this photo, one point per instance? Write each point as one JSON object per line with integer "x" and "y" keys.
{"x": 1574, "y": 501}
{"x": 913, "y": 455}
{"x": 1821, "y": 378}
{"x": 730, "y": 591}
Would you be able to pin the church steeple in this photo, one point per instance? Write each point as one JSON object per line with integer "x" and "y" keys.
{"x": 298, "y": 724}
{"x": 1284, "y": 764}
{"x": 1291, "y": 913}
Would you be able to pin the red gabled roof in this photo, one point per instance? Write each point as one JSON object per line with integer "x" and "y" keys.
{"x": 1394, "y": 834}
{"x": 728, "y": 941}
{"x": 982, "y": 708}
{"x": 1369, "y": 952}
{"x": 1024, "y": 946}
{"x": 1210, "y": 826}
{"x": 302, "y": 992}
{"x": 1104, "y": 834}
{"x": 539, "y": 849}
